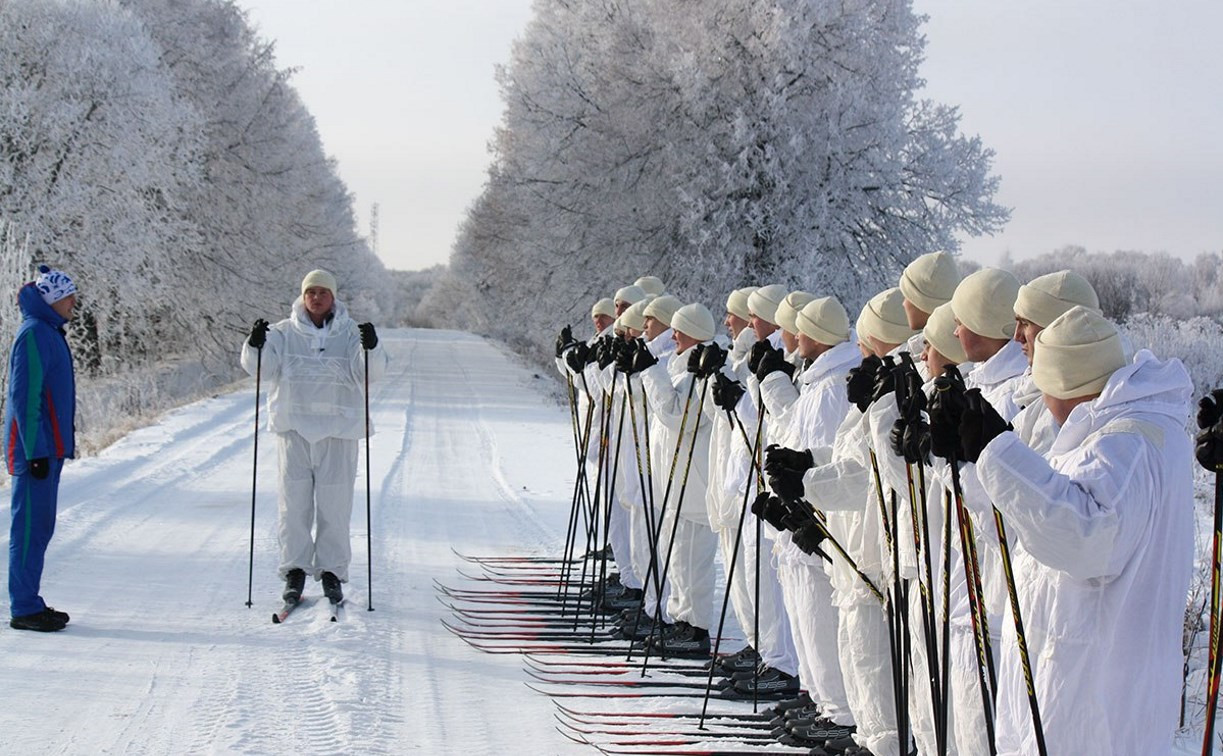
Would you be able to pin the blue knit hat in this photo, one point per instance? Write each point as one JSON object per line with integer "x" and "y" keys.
{"x": 53, "y": 284}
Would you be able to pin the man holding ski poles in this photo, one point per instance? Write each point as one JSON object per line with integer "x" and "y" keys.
{"x": 315, "y": 361}
{"x": 1105, "y": 518}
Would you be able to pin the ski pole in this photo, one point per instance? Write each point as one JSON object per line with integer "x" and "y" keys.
{"x": 821, "y": 523}
{"x": 610, "y": 502}
{"x": 581, "y": 491}
{"x": 730, "y": 578}
{"x": 1215, "y": 656}
{"x": 250, "y": 579}
{"x": 641, "y": 483}
{"x": 753, "y": 450}
{"x": 592, "y": 528}
{"x": 1020, "y": 637}
{"x": 945, "y": 658}
{"x": 661, "y": 514}
{"x": 1215, "y": 661}
{"x": 369, "y": 540}
{"x": 976, "y": 603}
{"x": 890, "y": 607}
{"x": 757, "y": 454}
{"x": 921, "y": 546}
{"x": 679, "y": 503}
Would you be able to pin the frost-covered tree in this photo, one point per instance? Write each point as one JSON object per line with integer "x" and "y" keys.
{"x": 95, "y": 154}
{"x": 154, "y": 150}
{"x": 270, "y": 205}
{"x": 712, "y": 143}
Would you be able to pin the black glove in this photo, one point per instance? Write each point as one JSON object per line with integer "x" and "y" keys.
{"x": 605, "y": 352}
{"x": 41, "y": 467}
{"x": 759, "y": 503}
{"x": 916, "y": 442}
{"x": 727, "y": 392}
{"x": 946, "y": 406}
{"x": 860, "y": 384}
{"x": 694, "y": 359}
{"x": 778, "y": 458}
{"x": 908, "y": 384}
{"x": 259, "y": 334}
{"x": 773, "y": 511}
{"x": 1208, "y": 446}
{"x": 980, "y": 423}
{"x": 713, "y": 357}
{"x": 641, "y": 358}
{"x": 1210, "y": 409}
{"x": 369, "y": 337}
{"x": 809, "y": 537}
{"x": 886, "y": 378}
{"x": 910, "y": 436}
{"x": 577, "y": 356}
{"x": 758, "y": 350}
{"x": 564, "y": 340}
{"x": 788, "y": 484}
{"x": 772, "y": 361}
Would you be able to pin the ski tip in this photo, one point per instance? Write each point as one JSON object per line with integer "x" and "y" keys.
{"x": 275, "y": 619}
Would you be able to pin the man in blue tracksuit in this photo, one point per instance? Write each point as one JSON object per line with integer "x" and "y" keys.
{"x": 39, "y": 436}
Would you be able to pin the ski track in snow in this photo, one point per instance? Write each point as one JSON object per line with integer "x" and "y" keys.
{"x": 151, "y": 559}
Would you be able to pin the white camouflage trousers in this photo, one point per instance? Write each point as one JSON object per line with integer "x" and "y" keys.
{"x": 316, "y": 487}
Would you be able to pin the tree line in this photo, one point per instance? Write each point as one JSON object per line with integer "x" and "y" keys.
{"x": 154, "y": 150}
{"x": 713, "y": 144}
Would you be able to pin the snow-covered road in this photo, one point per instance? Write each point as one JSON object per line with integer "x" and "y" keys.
{"x": 150, "y": 557}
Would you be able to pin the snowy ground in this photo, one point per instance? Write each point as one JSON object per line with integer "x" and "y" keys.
{"x": 151, "y": 552}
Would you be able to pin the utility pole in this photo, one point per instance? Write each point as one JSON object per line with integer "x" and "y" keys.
{"x": 373, "y": 228}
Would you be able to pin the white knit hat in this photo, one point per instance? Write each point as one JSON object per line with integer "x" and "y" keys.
{"x": 651, "y": 285}
{"x": 930, "y": 280}
{"x": 824, "y": 320}
{"x": 53, "y": 284}
{"x": 631, "y": 294}
{"x": 695, "y": 321}
{"x": 763, "y": 302}
{"x": 1076, "y": 354}
{"x": 604, "y": 306}
{"x": 883, "y": 318}
{"x": 940, "y": 334}
{"x": 634, "y": 316}
{"x": 662, "y": 309}
{"x": 984, "y": 303}
{"x": 787, "y": 310}
{"x": 736, "y": 303}
{"x": 1044, "y": 298}
{"x": 321, "y": 278}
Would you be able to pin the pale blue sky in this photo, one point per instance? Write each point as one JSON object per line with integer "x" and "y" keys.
{"x": 1105, "y": 114}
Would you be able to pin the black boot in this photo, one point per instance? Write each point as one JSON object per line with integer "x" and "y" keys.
{"x": 295, "y": 583}
{"x": 331, "y": 588}
{"x": 42, "y": 622}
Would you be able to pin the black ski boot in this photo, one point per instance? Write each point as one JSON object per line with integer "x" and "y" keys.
{"x": 688, "y": 642}
{"x": 331, "y": 588}
{"x": 295, "y": 583}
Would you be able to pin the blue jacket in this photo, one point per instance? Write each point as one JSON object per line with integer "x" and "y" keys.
{"x": 40, "y": 410}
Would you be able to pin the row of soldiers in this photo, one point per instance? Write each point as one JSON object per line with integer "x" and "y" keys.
{"x": 963, "y": 522}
